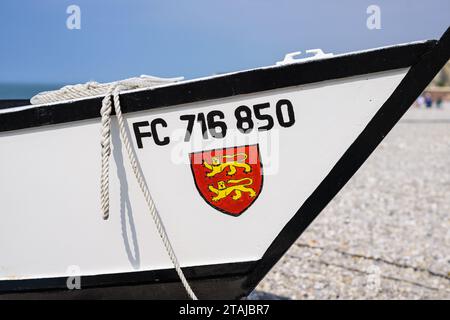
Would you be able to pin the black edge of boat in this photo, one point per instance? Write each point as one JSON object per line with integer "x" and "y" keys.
{"x": 244, "y": 82}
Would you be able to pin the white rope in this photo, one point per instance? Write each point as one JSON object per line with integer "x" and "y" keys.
{"x": 106, "y": 123}
{"x": 93, "y": 88}
{"x": 105, "y": 111}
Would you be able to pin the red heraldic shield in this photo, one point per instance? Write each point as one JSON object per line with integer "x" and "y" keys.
{"x": 229, "y": 179}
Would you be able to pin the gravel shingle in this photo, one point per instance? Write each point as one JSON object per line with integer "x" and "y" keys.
{"x": 386, "y": 235}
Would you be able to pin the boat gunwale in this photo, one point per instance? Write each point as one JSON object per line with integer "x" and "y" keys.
{"x": 220, "y": 86}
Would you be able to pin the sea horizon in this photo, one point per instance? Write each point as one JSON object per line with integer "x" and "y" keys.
{"x": 16, "y": 90}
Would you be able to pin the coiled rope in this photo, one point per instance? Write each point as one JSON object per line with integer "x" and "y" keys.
{"x": 92, "y": 88}
{"x": 112, "y": 90}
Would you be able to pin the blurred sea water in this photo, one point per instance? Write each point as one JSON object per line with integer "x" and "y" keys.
{"x": 25, "y": 90}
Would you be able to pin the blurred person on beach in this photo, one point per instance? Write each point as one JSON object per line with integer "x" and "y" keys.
{"x": 420, "y": 101}
{"x": 439, "y": 103}
{"x": 428, "y": 100}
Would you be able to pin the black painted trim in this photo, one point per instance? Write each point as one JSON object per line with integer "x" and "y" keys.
{"x": 5, "y": 104}
{"x": 222, "y": 288}
{"x": 154, "y": 277}
{"x": 430, "y": 59}
{"x": 245, "y": 82}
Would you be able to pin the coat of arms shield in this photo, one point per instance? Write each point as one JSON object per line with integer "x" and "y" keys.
{"x": 228, "y": 179}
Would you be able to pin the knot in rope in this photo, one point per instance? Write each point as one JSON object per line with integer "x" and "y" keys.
{"x": 92, "y": 88}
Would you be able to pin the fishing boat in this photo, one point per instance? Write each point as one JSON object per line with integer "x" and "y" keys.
{"x": 226, "y": 173}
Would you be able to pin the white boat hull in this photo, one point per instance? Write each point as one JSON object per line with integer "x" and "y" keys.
{"x": 50, "y": 184}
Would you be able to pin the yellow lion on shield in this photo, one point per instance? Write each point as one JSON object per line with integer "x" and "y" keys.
{"x": 222, "y": 191}
{"x": 217, "y": 164}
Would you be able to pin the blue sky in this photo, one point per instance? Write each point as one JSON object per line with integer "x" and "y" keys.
{"x": 124, "y": 38}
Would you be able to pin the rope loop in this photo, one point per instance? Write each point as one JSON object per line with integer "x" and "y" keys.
{"x": 104, "y": 180}
{"x": 111, "y": 93}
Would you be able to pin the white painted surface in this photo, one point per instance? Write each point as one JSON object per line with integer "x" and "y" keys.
{"x": 49, "y": 184}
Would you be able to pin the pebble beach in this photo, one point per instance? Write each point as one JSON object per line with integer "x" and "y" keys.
{"x": 386, "y": 235}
